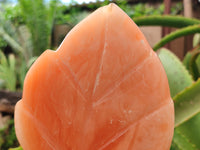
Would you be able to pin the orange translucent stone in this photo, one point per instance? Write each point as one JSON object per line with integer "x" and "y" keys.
{"x": 103, "y": 89}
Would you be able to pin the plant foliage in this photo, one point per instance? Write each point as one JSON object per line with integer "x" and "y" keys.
{"x": 7, "y": 137}
{"x": 7, "y": 71}
{"x": 39, "y": 17}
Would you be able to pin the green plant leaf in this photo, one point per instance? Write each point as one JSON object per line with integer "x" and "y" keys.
{"x": 187, "y": 118}
{"x": 178, "y": 76}
{"x": 35, "y": 15}
{"x": 17, "y": 36}
{"x": 7, "y": 71}
{"x": 7, "y": 136}
{"x": 190, "y": 130}
{"x": 176, "y": 34}
{"x": 180, "y": 142}
{"x": 187, "y": 103}
{"x": 165, "y": 20}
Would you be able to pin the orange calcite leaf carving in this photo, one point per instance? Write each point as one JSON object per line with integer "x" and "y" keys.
{"x": 103, "y": 89}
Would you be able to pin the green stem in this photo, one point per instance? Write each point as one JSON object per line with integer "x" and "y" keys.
{"x": 176, "y": 34}
{"x": 165, "y": 20}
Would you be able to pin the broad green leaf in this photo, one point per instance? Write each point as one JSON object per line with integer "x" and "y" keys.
{"x": 180, "y": 142}
{"x": 174, "y": 146}
{"x": 178, "y": 76}
{"x": 191, "y": 130}
{"x": 187, "y": 103}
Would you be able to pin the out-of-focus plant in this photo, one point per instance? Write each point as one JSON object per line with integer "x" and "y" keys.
{"x": 36, "y": 17}
{"x": 70, "y": 15}
{"x": 11, "y": 18}
{"x": 183, "y": 77}
{"x": 73, "y": 13}
{"x": 71, "y": 19}
{"x": 12, "y": 76}
{"x": 17, "y": 37}
{"x": 39, "y": 18}
{"x": 7, "y": 71}
{"x": 7, "y": 136}
{"x": 13, "y": 14}
{"x": 27, "y": 30}
{"x": 3, "y": 43}
{"x": 13, "y": 71}
{"x": 143, "y": 9}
